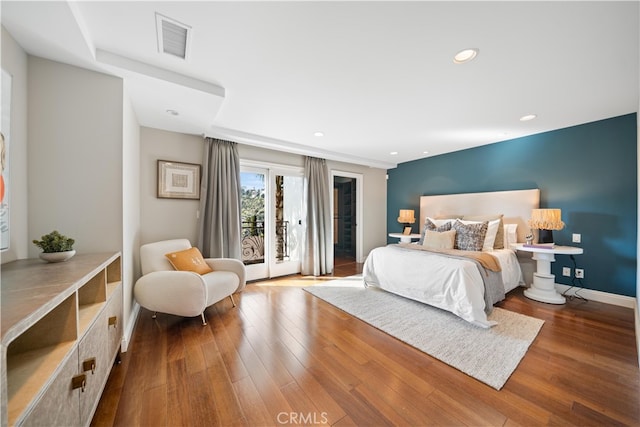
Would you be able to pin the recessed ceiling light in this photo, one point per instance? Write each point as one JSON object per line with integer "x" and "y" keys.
{"x": 465, "y": 55}
{"x": 318, "y": 134}
{"x": 394, "y": 153}
{"x": 528, "y": 117}
{"x": 425, "y": 152}
{"x": 172, "y": 112}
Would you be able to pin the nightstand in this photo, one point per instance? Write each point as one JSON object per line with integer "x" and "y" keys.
{"x": 543, "y": 288}
{"x": 404, "y": 238}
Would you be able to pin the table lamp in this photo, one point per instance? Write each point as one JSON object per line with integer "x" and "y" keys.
{"x": 407, "y": 217}
{"x": 546, "y": 220}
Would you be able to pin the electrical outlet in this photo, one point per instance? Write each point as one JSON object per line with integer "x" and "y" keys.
{"x": 566, "y": 271}
{"x": 576, "y": 238}
{"x": 579, "y": 273}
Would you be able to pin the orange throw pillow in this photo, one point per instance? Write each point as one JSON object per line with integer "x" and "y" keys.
{"x": 189, "y": 260}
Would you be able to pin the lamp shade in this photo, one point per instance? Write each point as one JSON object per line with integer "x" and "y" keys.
{"x": 407, "y": 216}
{"x": 546, "y": 219}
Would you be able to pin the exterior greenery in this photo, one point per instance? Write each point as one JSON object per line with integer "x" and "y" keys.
{"x": 55, "y": 242}
{"x": 253, "y": 205}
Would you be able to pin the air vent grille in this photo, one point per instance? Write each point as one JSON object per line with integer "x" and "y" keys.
{"x": 173, "y": 37}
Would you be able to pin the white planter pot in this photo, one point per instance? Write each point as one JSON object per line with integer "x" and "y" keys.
{"x": 57, "y": 256}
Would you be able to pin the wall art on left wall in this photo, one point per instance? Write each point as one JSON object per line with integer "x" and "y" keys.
{"x": 5, "y": 139}
{"x": 178, "y": 180}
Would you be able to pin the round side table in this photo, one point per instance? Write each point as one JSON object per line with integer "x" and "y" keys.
{"x": 543, "y": 288}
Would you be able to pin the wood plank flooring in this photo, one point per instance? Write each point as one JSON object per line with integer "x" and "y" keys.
{"x": 284, "y": 357}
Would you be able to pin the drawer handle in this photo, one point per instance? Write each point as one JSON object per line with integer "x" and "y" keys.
{"x": 79, "y": 381}
{"x": 113, "y": 321}
{"x": 89, "y": 365}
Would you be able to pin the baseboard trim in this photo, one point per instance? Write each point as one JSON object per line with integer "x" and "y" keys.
{"x": 593, "y": 295}
{"x": 128, "y": 333}
{"x": 637, "y": 331}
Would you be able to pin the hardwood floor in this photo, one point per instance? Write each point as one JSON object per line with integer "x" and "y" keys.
{"x": 284, "y": 357}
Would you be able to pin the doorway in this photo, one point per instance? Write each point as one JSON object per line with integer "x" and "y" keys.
{"x": 344, "y": 218}
{"x": 347, "y": 216}
{"x": 272, "y": 226}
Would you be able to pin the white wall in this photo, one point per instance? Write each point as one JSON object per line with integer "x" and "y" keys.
{"x": 130, "y": 213}
{"x": 638, "y": 237}
{"x": 166, "y": 218}
{"x": 75, "y": 155}
{"x": 14, "y": 61}
{"x": 374, "y": 201}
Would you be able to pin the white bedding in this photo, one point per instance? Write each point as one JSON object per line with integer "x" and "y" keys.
{"x": 451, "y": 284}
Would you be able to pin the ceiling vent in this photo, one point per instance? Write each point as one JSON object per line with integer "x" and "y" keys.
{"x": 173, "y": 37}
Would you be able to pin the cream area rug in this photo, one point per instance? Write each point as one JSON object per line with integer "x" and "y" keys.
{"x": 488, "y": 355}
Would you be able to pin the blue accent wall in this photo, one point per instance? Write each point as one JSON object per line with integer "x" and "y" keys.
{"x": 589, "y": 171}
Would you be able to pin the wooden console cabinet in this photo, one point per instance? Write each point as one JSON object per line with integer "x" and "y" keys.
{"x": 61, "y": 333}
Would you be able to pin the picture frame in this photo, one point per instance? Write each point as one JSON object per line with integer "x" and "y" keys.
{"x": 407, "y": 230}
{"x": 5, "y": 160}
{"x": 178, "y": 180}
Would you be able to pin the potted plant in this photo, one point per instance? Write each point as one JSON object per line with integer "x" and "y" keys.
{"x": 55, "y": 247}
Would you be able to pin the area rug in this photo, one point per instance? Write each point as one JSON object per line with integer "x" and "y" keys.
{"x": 488, "y": 355}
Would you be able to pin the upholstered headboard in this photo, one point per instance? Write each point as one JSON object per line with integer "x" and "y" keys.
{"x": 515, "y": 205}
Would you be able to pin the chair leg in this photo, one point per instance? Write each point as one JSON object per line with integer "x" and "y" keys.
{"x": 232, "y": 300}
{"x": 154, "y": 315}
{"x": 204, "y": 321}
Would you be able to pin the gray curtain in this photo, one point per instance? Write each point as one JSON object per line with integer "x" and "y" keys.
{"x": 317, "y": 256}
{"x": 219, "y": 227}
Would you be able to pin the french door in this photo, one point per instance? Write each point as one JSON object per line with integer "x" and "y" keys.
{"x": 272, "y": 219}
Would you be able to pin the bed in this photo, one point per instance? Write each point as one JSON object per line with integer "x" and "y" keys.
{"x": 466, "y": 283}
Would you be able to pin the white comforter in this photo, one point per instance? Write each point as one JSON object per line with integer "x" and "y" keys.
{"x": 451, "y": 284}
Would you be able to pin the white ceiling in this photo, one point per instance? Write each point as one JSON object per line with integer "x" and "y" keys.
{"x": 374, "y": 77}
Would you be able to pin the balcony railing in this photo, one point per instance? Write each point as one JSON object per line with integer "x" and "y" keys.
{"x": 253, "y": 241}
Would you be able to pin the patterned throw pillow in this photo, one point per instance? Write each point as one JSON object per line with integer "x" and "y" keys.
{"x": 189, "y": 260}
{"x": 428, "y": 225}
{"x": 470, "y": 237}
{"x": 499, "y": 240}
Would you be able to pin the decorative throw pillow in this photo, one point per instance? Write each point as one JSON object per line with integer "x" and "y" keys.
{"x": 470, "y": 237}
{"x": 491, "y": 234}
{"x": 189, "y": 260}
{"x": 439, "y": 240}
{"x": 499, "y": 240}
{"x": 440, "y": 221}
{"x": 439, "y": 226}
{"x": 434, "y": 226}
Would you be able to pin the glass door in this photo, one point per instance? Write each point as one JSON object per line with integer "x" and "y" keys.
{"x": 272, "y": 220}
{"x": 287, "y": 202}
{"x": 254, "y": 189}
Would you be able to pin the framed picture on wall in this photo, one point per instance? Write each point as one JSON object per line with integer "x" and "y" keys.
{"x": 5, "y": 140}
{"x": 178, "y": 180}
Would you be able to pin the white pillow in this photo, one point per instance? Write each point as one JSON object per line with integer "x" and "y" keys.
{"x": 510, "y": 235}
{"x": 439, "y": 240}
{"x": 492, "y": 231}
